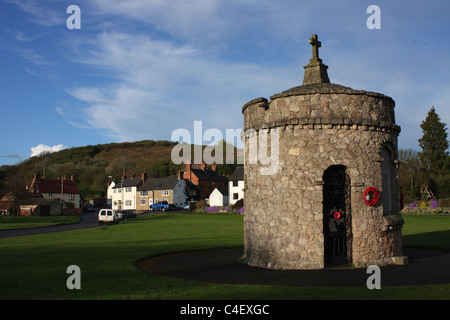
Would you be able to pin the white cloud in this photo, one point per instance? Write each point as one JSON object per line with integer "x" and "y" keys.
{"x": 39, "y": 149}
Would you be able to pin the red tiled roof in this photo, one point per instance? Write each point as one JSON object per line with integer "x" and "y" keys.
{"x": 5, "y": 205}
{"x": 54, "y": 186}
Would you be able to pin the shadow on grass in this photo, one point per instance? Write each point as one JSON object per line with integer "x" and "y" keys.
{"x": 436, "y": 240}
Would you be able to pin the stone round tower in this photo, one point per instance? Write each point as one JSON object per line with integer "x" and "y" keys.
{"x": 331, "y": 194}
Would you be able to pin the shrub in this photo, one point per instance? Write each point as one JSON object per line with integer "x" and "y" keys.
{"x": 200, "y": 204}
{"x": 238, "y": 204}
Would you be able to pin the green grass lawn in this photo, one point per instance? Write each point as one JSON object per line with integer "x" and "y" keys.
{"x": 426, "y": 231}
{"x": 34, "y": 267}
{"x": 13, "y": 222}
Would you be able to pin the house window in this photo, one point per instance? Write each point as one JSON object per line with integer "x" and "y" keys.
{"x": 235, "y": 196}
{"x": 119, "y": 190}
{"x": 71, "y": 197}
{"x": 144, "y": 194}
{"x": 165, "y": 192}
{"x": 235, "y": 183}
{"x": 128, "y": 189}
{"x": 143, "y": 202}
{"x": 128, "y": 203}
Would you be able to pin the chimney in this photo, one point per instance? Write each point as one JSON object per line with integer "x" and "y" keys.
{"x": 144, "y": 176}
{"x": 71, "y": 178}
{"x": 188, "y": 170}
{"x": 203, "y": 167}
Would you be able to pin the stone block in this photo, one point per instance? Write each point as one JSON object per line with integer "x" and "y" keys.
{"x": 400, "y": 260}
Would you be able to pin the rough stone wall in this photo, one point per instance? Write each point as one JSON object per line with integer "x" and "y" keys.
{"x": 318, "y": 126}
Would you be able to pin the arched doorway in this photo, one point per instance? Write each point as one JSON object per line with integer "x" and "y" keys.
{"x": 337, "y": 223}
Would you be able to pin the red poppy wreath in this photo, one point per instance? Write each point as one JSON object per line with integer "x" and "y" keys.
{"x": 371, "y": 196}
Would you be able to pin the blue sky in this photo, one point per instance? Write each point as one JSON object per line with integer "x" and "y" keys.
{"x": 141, "y": 69}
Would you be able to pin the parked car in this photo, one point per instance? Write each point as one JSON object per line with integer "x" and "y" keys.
{"x": 190, "y": 205}
{"x": 125, "y": 214}
{"x": 88, "y": 208}
{"x": 107, "y": 216}
{"x": 162, "y": 205}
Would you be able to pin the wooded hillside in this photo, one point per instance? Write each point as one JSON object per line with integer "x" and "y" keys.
{"x": 91, "y": 166}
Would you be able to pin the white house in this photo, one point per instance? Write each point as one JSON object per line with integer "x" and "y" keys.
{"x": 124, "y": 194}
{"x": 236, "y": 185}
{"x": 218, "y": 198}
{"x": 109, "y": 193}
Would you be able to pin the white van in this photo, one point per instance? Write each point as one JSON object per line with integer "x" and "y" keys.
{"x": 107, "y": 216}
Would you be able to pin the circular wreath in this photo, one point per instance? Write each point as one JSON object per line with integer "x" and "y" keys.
{"x": 371, "y": 196}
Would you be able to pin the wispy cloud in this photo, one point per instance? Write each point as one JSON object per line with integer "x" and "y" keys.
{"x": 159, "y": 86}
{"x": 11, "y": 156}
{"x": 43, "y": 13}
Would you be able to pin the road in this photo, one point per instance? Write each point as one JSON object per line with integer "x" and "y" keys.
{"x": 87, "y": 220}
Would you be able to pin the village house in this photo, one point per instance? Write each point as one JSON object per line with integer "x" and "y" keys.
{"x": 124, "y": 193}
{"x": 61, "y": 189}
{"x": 109, "y": 193}
{"x": 7, "y": 204}
{"x": 236, "y": 185}
{"x": 40, "y": 207}
{"x": 29, "y": 204}
{"x": 138, "y": 193}
{"x": 206, "y": 180}
{"x": 173, "y": 190}
{"x": 218, "y": 198}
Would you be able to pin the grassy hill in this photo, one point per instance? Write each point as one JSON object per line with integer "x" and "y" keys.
{"x": 92, "y": 165}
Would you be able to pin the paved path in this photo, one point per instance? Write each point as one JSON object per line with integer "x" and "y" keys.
{"x": 225, "y": 266}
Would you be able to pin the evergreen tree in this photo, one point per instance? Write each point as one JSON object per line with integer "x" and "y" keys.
{"x": 434, "y": 144}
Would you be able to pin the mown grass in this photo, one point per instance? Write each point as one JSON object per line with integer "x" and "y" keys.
{"x": 426, "y": 231}
{"x": 34, "y": 267}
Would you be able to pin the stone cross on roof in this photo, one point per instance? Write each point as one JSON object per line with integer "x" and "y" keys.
{"x": 315, "y": 71}
{"x": 316, "y": 44}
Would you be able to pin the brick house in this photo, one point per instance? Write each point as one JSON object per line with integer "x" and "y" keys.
{"x": 173, "y": 190}
{"x": 206, "y": 180}
{"x": 40, "y": 207}
{"x": 57, "y": 188}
